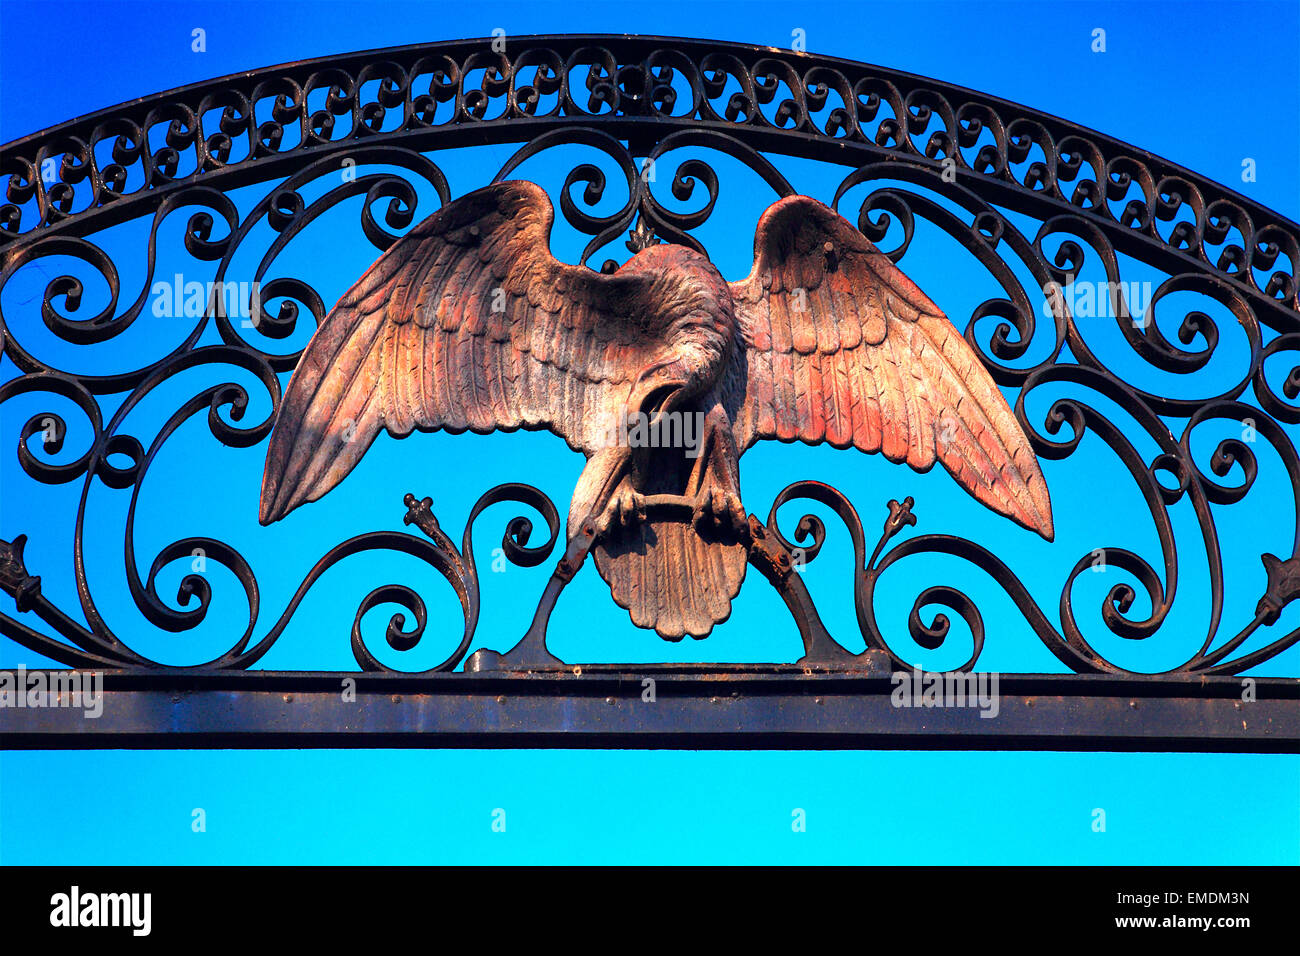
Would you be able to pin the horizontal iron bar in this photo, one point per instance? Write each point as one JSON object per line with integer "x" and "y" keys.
{"x": 746, "y": 707}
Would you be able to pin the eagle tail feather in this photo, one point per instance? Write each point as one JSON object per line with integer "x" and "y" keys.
{"x": 671, "y": 577}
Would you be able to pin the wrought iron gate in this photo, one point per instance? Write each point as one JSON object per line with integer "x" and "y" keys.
{"x": 978, "y": 168}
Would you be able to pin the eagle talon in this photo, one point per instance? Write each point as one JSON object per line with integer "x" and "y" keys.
{"x": 626, "y": 509}
{"x": 704, "y": 516}
{"x": 719, "y": 511}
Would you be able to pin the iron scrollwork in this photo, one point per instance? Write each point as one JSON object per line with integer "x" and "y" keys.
{"x": 900, "y": 139}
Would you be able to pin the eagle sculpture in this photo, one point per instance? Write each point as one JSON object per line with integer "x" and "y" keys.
{"x": 469, "y": 323}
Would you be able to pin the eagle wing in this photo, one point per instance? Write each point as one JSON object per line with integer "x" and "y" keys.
{"x": 466, "y": 323}
{"x": 844, "y": 348}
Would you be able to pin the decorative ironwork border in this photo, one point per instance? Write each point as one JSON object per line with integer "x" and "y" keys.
{"x": 625, "y": 88}
{"x": 637, "y": 99}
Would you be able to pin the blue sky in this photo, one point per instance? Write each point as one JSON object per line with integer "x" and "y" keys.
{"x": 1159, "y": 85}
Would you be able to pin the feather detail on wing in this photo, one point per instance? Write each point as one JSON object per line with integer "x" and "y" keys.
{"x": 844, "y": 348}
{"x": 466, "y": 323}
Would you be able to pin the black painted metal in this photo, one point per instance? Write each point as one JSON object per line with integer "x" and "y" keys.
{"x": 637, "y": 99}
{"x": 744, "y": 708}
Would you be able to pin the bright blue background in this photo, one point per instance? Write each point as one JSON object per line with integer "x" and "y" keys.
{"x": 1161, "y": 85}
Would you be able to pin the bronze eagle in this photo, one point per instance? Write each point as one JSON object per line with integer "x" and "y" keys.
{"x": 469, "y": 323}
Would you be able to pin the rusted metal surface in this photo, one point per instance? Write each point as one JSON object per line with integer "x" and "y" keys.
{"x": 469, "y": 322}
